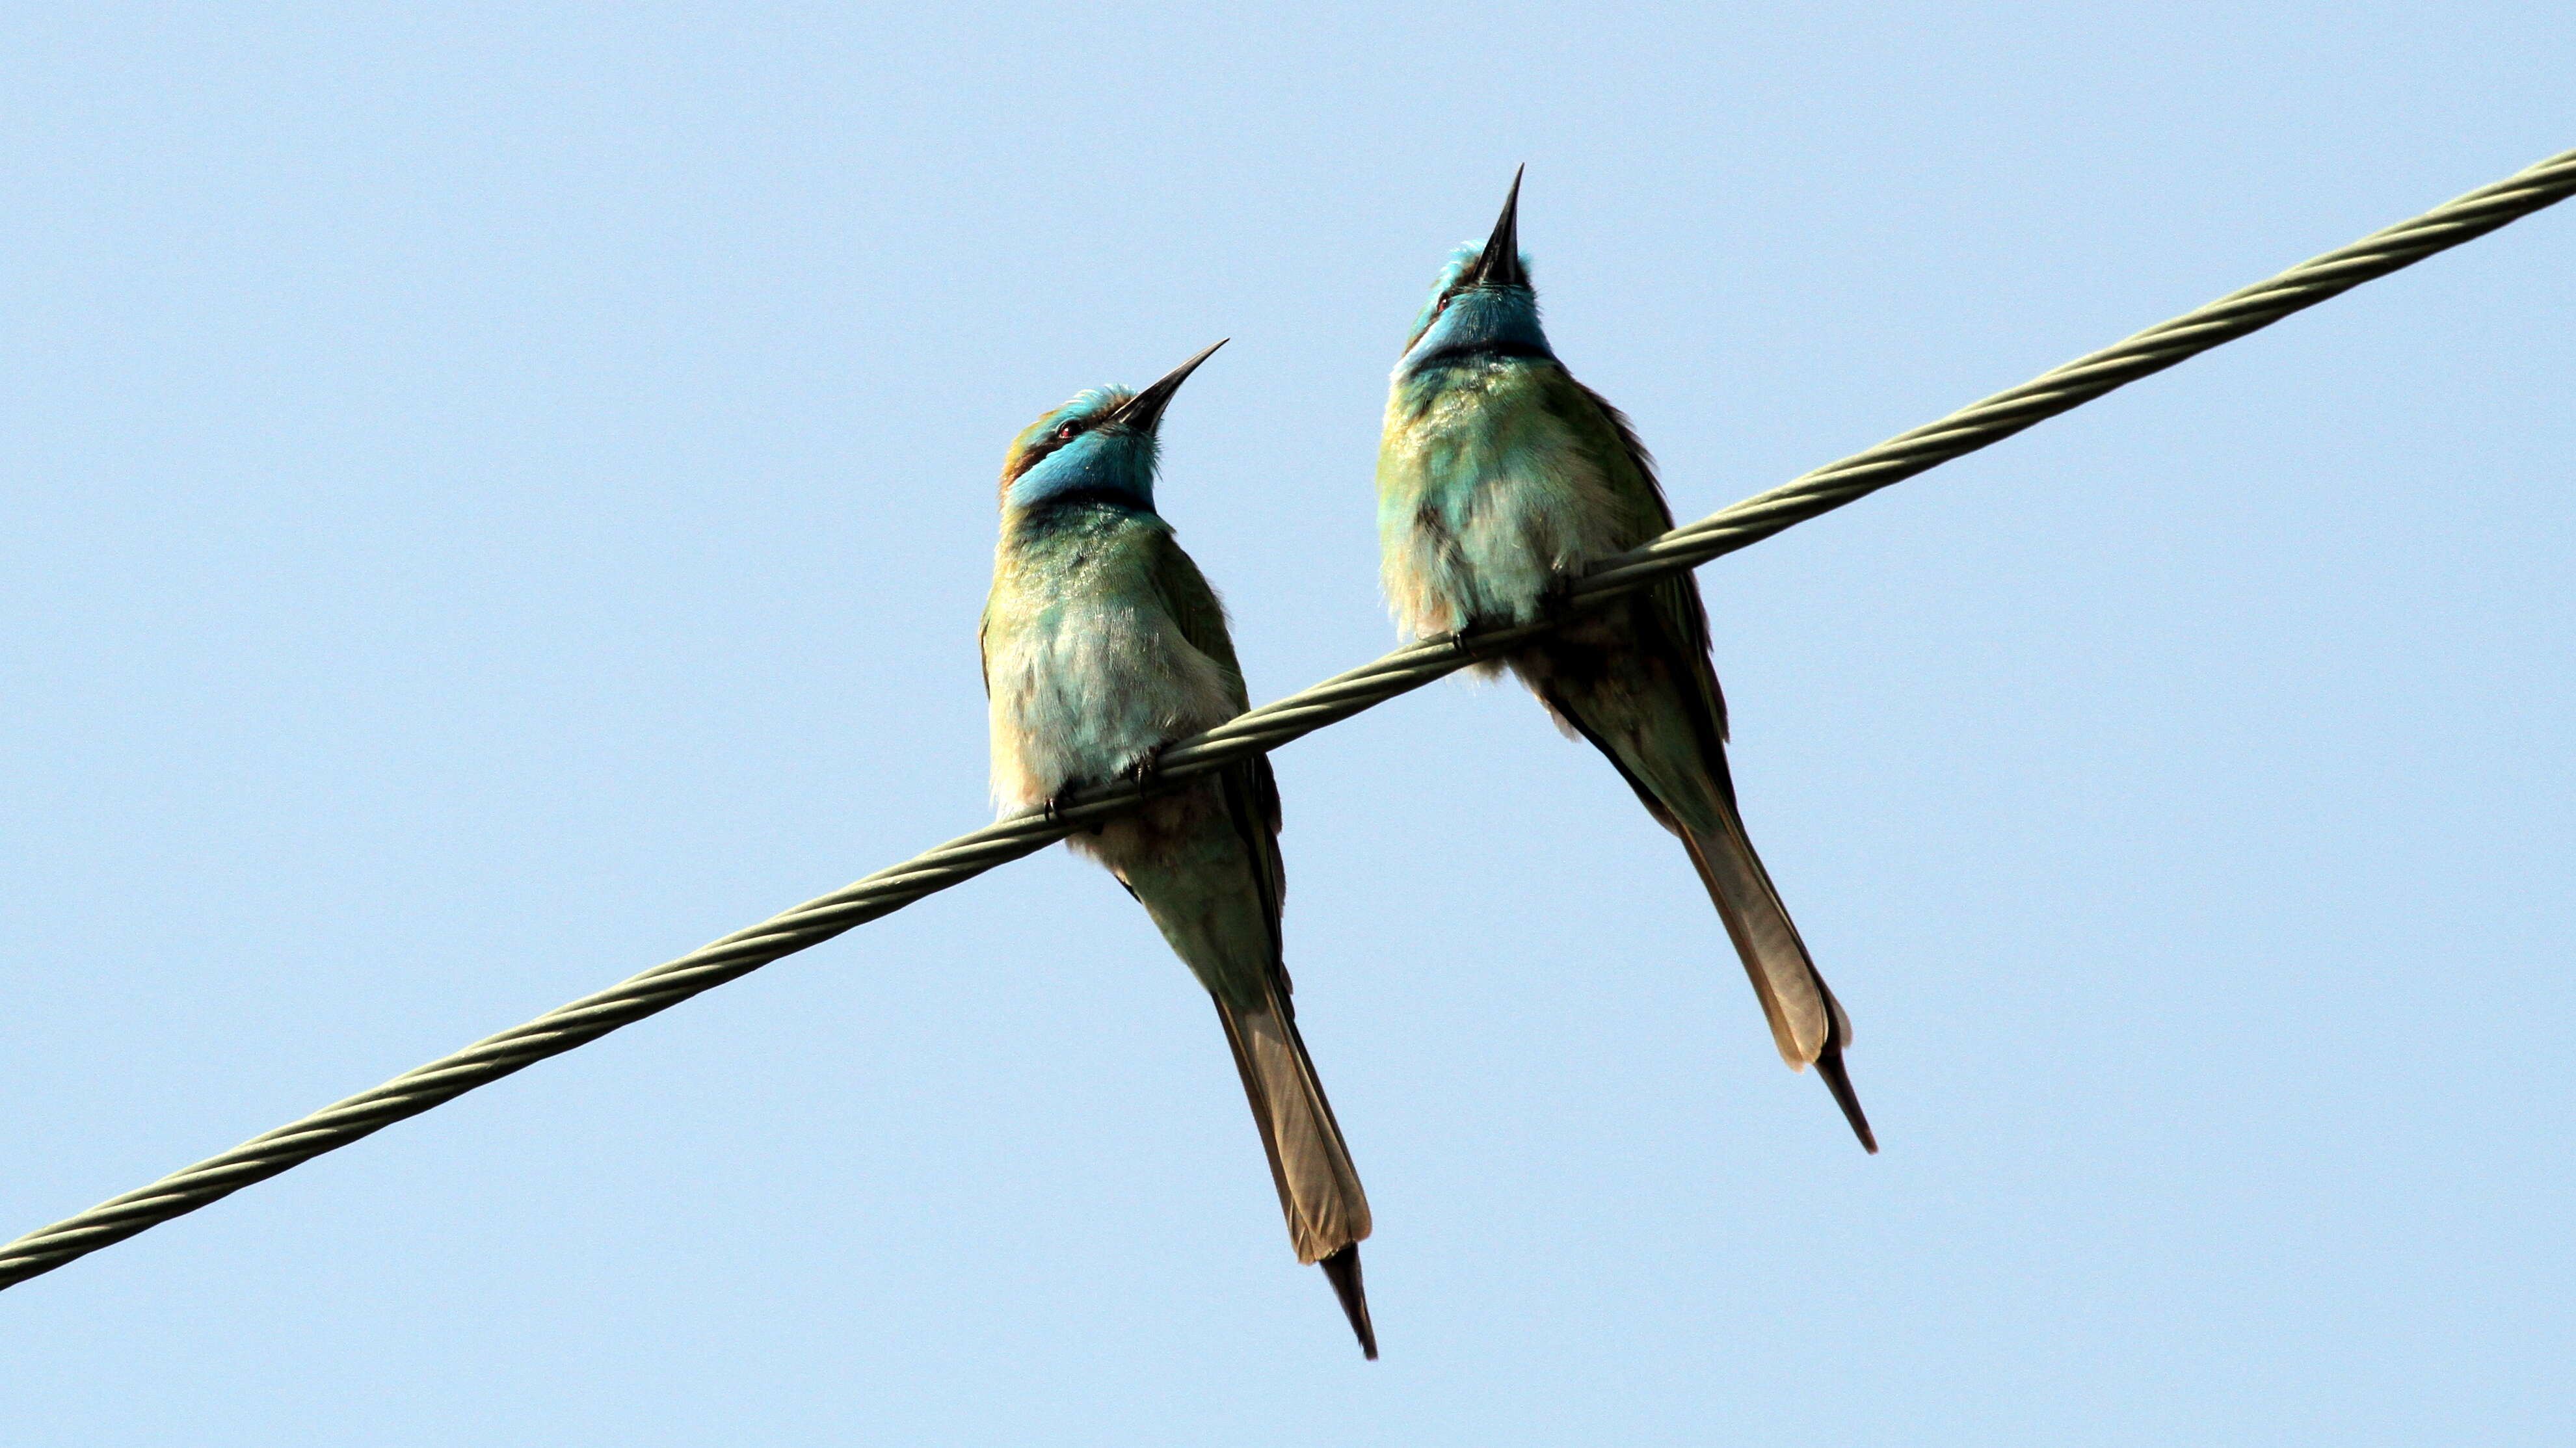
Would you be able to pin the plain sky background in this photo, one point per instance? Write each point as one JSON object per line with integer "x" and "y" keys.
{"x": 497, "y": 497}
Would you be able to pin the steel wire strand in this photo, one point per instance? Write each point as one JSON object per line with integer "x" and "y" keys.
{"x": 1978, "y": 425}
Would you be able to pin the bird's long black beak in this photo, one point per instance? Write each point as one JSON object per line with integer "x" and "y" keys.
{"x": 1144, "y": 410}
{"x": 1500, "y": 266}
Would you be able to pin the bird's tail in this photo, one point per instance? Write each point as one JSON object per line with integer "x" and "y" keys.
{"x": 1807, "y": 1023}
{"x": 1319, "y": 1189}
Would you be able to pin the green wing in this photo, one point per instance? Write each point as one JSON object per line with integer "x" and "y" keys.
{"x": 1676, "y": 604}
{"x": 1251, "y": 790}
{"x": 1193, "y": 608}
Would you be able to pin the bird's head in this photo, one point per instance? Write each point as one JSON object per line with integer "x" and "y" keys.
{"x": 1101, "y": 444}
{"x": 1483, "y": 302}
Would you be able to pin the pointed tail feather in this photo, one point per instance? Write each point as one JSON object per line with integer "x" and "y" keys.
{"x": 1319, "y": 1188}
{"x": 1342, "y": 1269}
{"x": 1829, "y": 1064}
{"x": 1807, "y": 1023}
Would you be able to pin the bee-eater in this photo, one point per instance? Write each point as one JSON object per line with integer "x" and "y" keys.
{"x": 1499, "y": 479}
{"x": 1103, "y": 644}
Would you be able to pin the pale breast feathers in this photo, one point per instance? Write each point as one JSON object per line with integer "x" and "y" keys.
{"x": 1088, "y": 673}
{"x": 1484, "y": 497}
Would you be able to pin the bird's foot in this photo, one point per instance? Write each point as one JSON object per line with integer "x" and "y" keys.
{"x": 1147, "y": 771}
{"x": 1061, "y": 801}
{"x": 1556, "y": 599}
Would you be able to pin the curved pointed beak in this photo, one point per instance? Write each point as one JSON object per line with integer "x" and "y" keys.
{"x": 1500, "y": 266}
{"x": 1145, "y": 410}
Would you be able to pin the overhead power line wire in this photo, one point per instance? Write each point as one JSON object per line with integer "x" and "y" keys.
{"x": 1266, "y": 728}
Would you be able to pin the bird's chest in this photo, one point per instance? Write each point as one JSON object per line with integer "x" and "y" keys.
{"x": 1484, "y": 500}
{"x": 1087, "y": 675}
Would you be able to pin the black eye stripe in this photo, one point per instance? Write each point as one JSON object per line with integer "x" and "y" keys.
{"x": 1037, "y": 452}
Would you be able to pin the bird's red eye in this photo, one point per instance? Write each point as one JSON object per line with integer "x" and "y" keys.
{"x": 1064, "y": 433}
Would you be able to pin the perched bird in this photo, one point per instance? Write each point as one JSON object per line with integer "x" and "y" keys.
{"x": 1103, "y": 644}
{"x": 1499, "y": 478}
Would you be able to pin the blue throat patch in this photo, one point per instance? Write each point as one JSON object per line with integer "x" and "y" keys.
{"x": 1111, "y": 465}
{"x": 1480, "y": 322}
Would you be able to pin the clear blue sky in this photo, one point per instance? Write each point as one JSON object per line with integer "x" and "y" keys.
{"x": 499, "y": 497}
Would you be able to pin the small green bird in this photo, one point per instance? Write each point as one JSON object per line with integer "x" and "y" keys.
{"x": 1499, "y": 478}
{"x": 1103, "y": 644}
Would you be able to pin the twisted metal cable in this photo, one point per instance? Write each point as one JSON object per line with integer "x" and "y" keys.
{"x": 1275, "y": 724}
